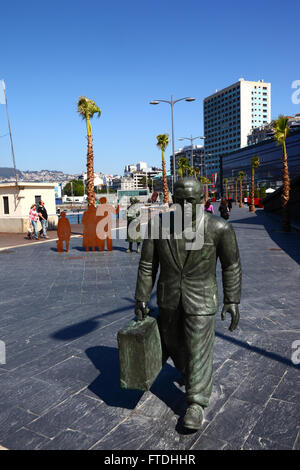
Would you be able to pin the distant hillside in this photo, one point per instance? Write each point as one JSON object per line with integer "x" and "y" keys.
{"x": 8, "y": 172}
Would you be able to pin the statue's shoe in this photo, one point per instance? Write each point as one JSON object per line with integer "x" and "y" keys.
{"x": 193, "y": 417}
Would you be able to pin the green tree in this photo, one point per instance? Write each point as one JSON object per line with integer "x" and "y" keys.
{"x": 87, "y": 108}
{"x": 143, "y": 182}
{"x": 281, "y": 131}
{"x": 197, "y": 172}
{"x": 241, "y": 176}
{"x": 262, "y": 192}
{"x": 162, "y": 143}
{"x": 182, "y": 164}
{"x": 255, "y": 161}
{"x": 75, "y": 188}
{"x": 105, "y": 191}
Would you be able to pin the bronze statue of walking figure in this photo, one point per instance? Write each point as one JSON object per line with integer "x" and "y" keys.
{"x": 187, "y": 295}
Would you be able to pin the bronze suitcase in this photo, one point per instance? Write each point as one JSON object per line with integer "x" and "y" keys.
{"x": 140, "y": 354}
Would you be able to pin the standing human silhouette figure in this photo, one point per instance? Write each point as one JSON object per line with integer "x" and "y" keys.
{"x": 63, "y": 232}
{"x": 104, "y": 224}
{"x": 132, "y": 215}
{"x": 89, "y": 221}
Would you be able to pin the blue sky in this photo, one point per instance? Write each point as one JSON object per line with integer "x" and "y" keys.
{"x": 124, "y": 54}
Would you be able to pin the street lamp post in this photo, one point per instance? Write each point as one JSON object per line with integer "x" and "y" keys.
{"x": 191, "y": 139}
{"x": 171, "y": 103}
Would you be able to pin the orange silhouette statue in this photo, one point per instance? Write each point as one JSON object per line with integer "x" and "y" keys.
{"x": 104, "y": 213}
{"x": 89, "y": 221}
{"x": 63, "y": 232}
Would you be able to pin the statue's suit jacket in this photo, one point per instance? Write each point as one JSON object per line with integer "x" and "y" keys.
{"x": 194, "y": 283}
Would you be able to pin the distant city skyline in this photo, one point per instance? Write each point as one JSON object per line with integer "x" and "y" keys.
{"x": 123, "y": 55}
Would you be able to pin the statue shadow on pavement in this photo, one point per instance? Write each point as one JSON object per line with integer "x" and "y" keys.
{"x": 107, "y": 385}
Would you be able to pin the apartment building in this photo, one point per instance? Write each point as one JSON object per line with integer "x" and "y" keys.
{"x": 230, "y": 115}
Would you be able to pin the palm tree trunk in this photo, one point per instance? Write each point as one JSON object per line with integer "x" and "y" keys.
{"x": 226, "y": 191}
{"x": 241, "y": 204}
{"x": 286, "y": 226}
{"x": 90, "y": 172}
{"x": 165, "y": 182}
{"x": 236, "y": 191}
{"x": 252, "y": 206}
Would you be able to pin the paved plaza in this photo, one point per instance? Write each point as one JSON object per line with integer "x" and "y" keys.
{"x": 59, "y": 318}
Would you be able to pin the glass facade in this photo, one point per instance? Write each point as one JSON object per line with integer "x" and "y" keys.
{"x": 221, "y": 126}
{"x": 269, "y": 171}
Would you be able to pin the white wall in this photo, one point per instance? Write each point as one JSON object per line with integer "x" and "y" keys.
{"x": 20, "y": 201}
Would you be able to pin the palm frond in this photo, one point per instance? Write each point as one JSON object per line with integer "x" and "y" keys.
{"x": 281, "y": 129}
{"x": 87, "y": 108}
{"x": 255, "y": 161}
{"x": 162, "y": 141}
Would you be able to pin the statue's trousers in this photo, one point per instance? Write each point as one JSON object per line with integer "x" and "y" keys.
{"x": 188, "y": 340}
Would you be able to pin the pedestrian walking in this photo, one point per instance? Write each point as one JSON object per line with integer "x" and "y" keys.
{"x": 208, "y": 207}
{"x": 43, "y": 216}
{"x": 229, "y": 203}
{"x": 223, "y": 209}
{"x": 34, "y": 217}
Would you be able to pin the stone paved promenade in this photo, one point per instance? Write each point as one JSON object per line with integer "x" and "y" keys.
{"x": 59, "y": 317}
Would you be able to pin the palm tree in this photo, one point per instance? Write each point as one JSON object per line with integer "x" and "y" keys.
{"x": 190, "y": 171}
{"x": 87, "y": 108}
{"x": 281, "y": 131}
{"x": 197, "y": 173}
{"x": 205, "y": 181}
{"x": 183, "y": 164}
{"x": 255, "y": 161}
{"x": 162, "y": 143}
{"x": 241, "y": 176}
{"x": 226, "y": 192}
{"x": 236, "y": 185}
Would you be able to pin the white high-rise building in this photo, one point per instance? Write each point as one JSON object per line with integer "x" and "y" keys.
{"x": 229, "y": 116}
{"x": 141, "y": 166}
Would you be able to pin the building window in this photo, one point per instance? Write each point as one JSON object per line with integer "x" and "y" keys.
{"x": 6, "y": 204}
{"x": 37, "y": 200}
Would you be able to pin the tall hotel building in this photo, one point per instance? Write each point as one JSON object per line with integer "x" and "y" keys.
{"x": 230, "y": 115}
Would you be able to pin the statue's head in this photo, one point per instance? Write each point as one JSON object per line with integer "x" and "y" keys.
{"x": 133, "y": 200}
{"x": 102, "y": 200}
{"x": 188, "y": 192}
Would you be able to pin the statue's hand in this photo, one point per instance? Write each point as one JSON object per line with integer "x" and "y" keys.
{"x": 141, "y": 310}
{"x": 233, "y": 309}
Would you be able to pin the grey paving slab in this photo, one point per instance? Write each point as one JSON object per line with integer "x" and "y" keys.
{"x": 279, "y": 422}
{"x": 60, "y": 385}
{"x": 62, "y": 416}
{"x": 206, "y": 442}
{"x": 258, "y": 443}
{"x": 257, "y": 389}
{"x": 23, "y": 439}
{"x": 234, "y": 422}
{"x": 13, "y": 418}
{"x": 129, "y": 435}
{"x": 289, "y": 387}
{"x": 68, "y": 440}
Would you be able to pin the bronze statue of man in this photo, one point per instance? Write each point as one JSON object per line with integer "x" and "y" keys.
{"x": 187, "y": 294}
